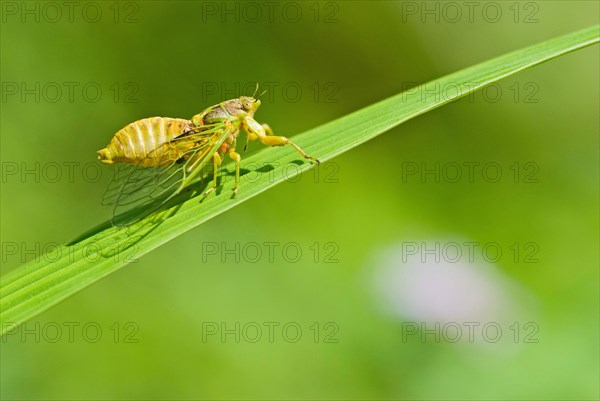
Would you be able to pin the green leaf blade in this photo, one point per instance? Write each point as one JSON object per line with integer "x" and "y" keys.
{"x": 40, "y": 284}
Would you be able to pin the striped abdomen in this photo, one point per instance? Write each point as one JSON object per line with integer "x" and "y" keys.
{"x": 146, "y": 142}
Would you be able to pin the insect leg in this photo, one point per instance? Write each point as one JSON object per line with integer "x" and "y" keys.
{"x": 265, "y": 134}
{"x": 268, "y": 129}
{"x": 250, "y": 136}
{"x": 216, "y": 163}
{"x": 235, "y": 156}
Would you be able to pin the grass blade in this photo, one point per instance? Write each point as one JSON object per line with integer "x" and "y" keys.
{"x": 33, "y": 288}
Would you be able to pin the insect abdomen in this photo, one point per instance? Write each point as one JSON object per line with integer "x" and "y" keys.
{"x": 145, "y": 142}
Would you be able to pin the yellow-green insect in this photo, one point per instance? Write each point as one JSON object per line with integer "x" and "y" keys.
{"x": 160, "y": 156}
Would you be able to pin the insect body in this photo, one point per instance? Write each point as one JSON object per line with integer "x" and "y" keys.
{"x": 139, "y": 142}
{"x": 160, "y": 156}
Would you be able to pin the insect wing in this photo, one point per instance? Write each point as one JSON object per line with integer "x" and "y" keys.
{"x": 136, "y": 191}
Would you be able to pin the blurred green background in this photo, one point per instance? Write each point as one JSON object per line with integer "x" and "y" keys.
{"x": 377, "y": 309}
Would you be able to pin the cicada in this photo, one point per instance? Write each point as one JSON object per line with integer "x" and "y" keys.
{"x": 160, "y": 156}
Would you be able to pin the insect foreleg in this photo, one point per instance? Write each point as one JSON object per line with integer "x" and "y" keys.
{"x": 236, "y": 157}
{"x": 268, "y": 129}
{"x": 265, "y": 134}
{"x": 250, "y": 136}
{"x": 216, "y": 163}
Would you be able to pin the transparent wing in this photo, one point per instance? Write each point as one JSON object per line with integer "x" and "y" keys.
{"x": 136, "y": 191}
